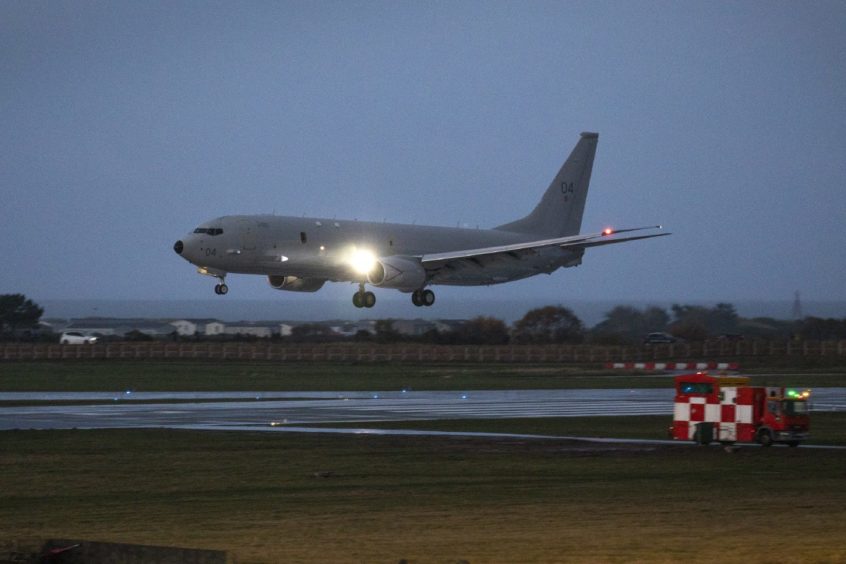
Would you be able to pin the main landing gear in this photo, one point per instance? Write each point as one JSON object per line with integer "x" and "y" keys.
{"x": 419, "y": 298}
{"x": 363, "y": 298}
{"x": 423, "y": 298}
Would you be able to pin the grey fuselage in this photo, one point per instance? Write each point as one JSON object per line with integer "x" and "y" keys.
{"x": 318, "y": 248}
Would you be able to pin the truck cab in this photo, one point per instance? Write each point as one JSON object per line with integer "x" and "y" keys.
{"x": 784, "y": 417}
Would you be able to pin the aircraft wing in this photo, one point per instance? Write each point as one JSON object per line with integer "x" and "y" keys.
{"x": 574, "y": 242}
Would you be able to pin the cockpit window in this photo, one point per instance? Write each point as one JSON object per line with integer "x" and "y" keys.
{"x": 209, "y": 230}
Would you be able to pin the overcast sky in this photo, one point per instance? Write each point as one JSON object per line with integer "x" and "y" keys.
{"x": 123, "y": 125}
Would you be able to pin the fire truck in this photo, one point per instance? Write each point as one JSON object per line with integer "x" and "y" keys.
{"x": 727, "y": 409}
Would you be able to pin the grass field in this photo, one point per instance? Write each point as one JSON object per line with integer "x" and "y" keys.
{"x": 270, "y": 376}
{"x": 382, "y": 499}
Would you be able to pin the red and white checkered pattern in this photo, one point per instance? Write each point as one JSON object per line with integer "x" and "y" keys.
{"x": 733, "y": 409}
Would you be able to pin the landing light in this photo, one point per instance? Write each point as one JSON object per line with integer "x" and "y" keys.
{"x": 362, "y": 261}
{"x": 607, "y": 231}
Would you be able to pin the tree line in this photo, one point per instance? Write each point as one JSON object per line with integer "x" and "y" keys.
{"x": 627, "y": 325}
{"x": 624, "y": 325}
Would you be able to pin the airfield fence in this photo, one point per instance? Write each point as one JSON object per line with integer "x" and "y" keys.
{"x": 422, "y": 353}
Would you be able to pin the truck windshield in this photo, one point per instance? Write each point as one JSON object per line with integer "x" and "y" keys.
{"x": 696, "y": 388}
{"x": 792, "y": 407}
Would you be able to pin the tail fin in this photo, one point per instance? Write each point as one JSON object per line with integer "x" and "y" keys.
{"x": 559, "y": 212}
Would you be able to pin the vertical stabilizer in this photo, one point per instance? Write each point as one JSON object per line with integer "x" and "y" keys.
{"x": 559, "y": 212}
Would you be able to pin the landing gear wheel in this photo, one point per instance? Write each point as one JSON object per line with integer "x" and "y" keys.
{"x": 427, "y": 298}
{"x": 221, "y": 289}
{"x": 369, "y": 299}
{"x": 358, "y": 299}
{"x": 423, "y": 298}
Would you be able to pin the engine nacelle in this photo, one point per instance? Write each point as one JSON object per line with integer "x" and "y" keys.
{"x": 397, "y": 273}
{"x": 294, "y": 284}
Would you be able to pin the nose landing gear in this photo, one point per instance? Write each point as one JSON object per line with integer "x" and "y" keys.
{"x": 423, "y": 298}
{"x": 221, "y": 288}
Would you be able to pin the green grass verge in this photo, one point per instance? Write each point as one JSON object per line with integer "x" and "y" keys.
{"x": 275, "y": 497}
{"x": 269, "y": 376}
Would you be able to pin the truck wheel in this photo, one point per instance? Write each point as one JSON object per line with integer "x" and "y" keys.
{"x": 765, "y": 438}
{"x": 699, "y": 437}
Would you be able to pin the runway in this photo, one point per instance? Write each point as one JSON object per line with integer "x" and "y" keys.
{"x": 265, "y": 410}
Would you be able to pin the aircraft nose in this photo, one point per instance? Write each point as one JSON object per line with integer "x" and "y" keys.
{"x": 178, "y": 247}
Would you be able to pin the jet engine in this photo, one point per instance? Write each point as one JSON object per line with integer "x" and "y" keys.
{"x": 398, "y": 273}
{"x": 294, "y": 284}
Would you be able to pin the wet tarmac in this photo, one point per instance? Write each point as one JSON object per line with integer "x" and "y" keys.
{"x": 278, "y": 410}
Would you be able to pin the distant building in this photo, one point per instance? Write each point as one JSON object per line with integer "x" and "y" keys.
{"x": 160, "y": 328}
{"x": 260, "y": 330}
{"x": 449, "y": 325}
{"x": 185, "y": 327}
{"x": 152, "y": 327}
{"x": 116, "y": 327}
{"x": 213, "y": 328}
{"x": 351, "y": 328}
{"x": 413, "y": 327}
{"x": 191, "y": 327}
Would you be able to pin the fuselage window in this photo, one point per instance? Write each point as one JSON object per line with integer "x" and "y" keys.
{"x": 303, "y": 237}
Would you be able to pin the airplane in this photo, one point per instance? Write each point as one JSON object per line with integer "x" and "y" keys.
{"x": 301, "y": 254}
